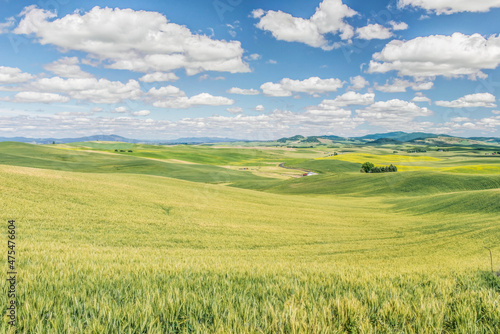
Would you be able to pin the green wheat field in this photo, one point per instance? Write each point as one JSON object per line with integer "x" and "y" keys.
{"x": 220, "y": 239}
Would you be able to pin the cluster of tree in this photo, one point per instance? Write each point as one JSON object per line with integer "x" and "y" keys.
{"x": 384, "y": 169}
{"x": 368, "y": 167}
{"x": 294, "y": 138}
{"x": 312, "y": 139}
{"x": 416, "y": 150}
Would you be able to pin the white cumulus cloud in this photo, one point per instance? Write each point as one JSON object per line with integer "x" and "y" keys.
{"x": 485, "y": 100}
{"x": 37, "y": 97}
{"x": 120, "y": 110}
{"x": 141, "y": 113}
{"x": 374, "y": 31}
{"x": 450, "y": 56}
{"x": 254, "y": 56}
{"x": 184, "y": 102}
{"x": 460, "y": 119}
{"x": 348, "y": 99}
{"x": 392, "y": 113}
{"x": 159, "y": 77}
{"x": 451, "y": 6}
{"x": 313, "y": 85}
{"x": 235, "y": 110}
{"x": 67, "y": 67}
{"x": 236, "y": 90}
{"x": 358, "y": 82}
{"x": 400, "y": 85}
{"x": 260, "y": 107}
{"x": 10, "y": 75}
{"x": 419, "y": 97}
{"x": 153, "y": 45}
{"x": 398, "y": 25}
{"x": 89, "y": 89}
{"x": 329, "y": 18}
{"x": 165, "y": 91}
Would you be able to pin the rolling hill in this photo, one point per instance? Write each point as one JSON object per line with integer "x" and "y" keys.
{"x": 135, "y": 242}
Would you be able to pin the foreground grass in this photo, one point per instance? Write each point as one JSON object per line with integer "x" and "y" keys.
{"x": 108, "y": 293}
{"x": 124, "y": 253}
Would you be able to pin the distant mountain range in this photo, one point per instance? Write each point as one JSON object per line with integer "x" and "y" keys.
{"x": 189, "y": 140}
{"x": 401, "y": 136}
{"x": 69, "y": 140}
{"x": 395, "y": 138}
{"x": 385, "y": 141}
{"x": 389, "y": 137}
{"x": 377, "y": 138}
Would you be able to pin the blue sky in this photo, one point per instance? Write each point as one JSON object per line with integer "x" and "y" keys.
{"x": 249, "y": 69}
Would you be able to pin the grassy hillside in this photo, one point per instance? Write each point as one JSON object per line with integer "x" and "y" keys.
{"x": 326, "y": 166}
{"x": 387, "y": 184}
{"x": 208, "y": 155}
{"x": 132, "y": 253}
{"x": 111, "y": 243}
{"x": 464, "y": 202}
{"x": 27, "y": 155}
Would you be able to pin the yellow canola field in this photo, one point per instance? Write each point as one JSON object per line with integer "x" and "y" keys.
{"x": 381, "y": 159}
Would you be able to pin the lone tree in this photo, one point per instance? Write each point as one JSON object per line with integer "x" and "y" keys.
{"x": 367, "y": 167}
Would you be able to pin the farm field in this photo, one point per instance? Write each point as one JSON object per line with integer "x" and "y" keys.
{"x": 197, "y": 239}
